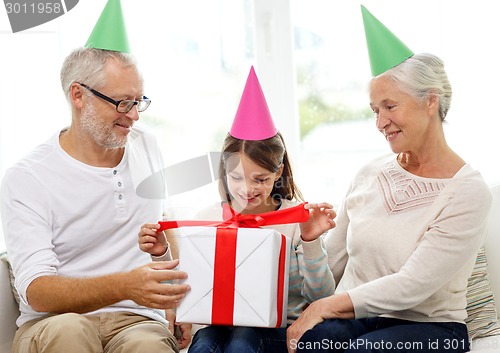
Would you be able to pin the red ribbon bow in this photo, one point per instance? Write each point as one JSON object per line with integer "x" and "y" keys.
{"x": 225, "y": 254}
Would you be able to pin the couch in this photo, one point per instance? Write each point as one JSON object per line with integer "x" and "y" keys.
{"x": 491, "y": 343}
{"x": 8, "y": 310}
{"x": 483, "y": 324}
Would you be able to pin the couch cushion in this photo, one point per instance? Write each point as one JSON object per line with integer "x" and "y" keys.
{"x": 4, "y": 258}
{"x": 482, "y": 317}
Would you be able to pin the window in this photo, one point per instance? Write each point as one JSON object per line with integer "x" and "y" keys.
{"x": 332, "y": 70}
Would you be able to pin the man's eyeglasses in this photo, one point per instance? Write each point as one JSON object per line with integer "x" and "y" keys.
{"x": 123, "y": 106}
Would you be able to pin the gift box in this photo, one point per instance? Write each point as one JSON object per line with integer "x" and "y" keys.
{"x": 238, "y": 276}
{"x": 238, "y": 272}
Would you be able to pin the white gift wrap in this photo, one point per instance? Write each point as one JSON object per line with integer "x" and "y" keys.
{"x": 256, "y": 276}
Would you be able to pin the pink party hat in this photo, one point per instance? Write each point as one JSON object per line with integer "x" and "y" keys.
{"x": 253, "y": 120}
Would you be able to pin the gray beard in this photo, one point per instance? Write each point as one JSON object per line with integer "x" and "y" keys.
{"x": 100, "y": 131}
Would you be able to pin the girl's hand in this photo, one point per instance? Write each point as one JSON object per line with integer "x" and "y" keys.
{"x": 152, "y": 241}
{"x": 182, "y": 332}
{"x": 185, "y": 335}
{"x": 320, "y": 220}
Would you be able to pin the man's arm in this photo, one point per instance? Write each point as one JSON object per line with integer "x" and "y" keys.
{"x": 143, "y": 285}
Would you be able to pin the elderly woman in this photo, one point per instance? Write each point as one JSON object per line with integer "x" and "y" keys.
{"x": 407, "y": 232}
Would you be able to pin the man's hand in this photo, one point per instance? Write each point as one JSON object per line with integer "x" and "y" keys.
{"x": 146, "y": 285}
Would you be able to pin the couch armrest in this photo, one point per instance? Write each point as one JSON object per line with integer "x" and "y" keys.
{"x": 9, "y": 310}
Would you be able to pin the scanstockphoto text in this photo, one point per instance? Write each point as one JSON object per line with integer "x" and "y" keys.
{"x": 360, "y": 343}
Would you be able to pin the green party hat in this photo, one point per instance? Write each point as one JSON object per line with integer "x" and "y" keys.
{"x": 109, "y": 32}
{"x": 384, "y": 48}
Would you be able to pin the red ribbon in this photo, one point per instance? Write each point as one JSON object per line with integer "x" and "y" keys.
{"x": 294, "y": 214}
{"x": 281, "y": 281}
{"x": 225, "y": 254}
{"x": 224, "y": 276}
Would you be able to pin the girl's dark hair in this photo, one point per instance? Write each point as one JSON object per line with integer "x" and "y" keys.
{"x": 269, "y": 154}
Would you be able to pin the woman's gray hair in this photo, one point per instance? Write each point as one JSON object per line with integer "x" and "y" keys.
{"x": 86, "y": 65}
{"x": 421, "y": 76}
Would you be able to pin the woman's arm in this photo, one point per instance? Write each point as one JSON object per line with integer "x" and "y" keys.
{"x": 337, "y": 306}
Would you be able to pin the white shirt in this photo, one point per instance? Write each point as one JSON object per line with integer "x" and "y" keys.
{"x": 63, "y": 217}
{"x": 405, "y": 246}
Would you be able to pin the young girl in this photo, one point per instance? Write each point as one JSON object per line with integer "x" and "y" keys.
{"x": 256, "y": 177}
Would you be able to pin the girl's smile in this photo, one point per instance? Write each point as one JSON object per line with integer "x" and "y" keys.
{"x": 250, "y": 185}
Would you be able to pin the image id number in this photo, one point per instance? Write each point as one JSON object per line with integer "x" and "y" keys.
{"x": 24, "y": 8}
{"x": 454, "y": 344}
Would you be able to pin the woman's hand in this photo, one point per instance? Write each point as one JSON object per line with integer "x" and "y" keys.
{"x": 152, "y": 241}
{"x": 309, "y": 318}
{"x": 320, "y": 220}
{"x": 338, "y": 306}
